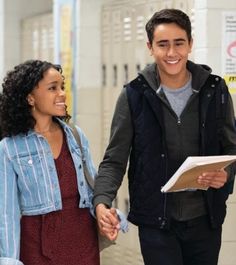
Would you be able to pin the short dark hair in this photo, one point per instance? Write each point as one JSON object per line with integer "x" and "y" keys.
{"x": 15, "y": 111}
{"x": 169, "y": 16}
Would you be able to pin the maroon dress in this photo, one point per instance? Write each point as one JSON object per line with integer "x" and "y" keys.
{"x": 66, "y": 237}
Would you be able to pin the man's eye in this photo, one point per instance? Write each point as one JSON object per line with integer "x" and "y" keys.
{"x": 179, "y": 43}
{"x": 162, "y": 45}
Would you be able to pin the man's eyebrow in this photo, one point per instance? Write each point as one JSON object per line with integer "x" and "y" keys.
{"x": 161, "y": 41}
{"x": 175, "y": 40}
{"x": 180, "y": 39}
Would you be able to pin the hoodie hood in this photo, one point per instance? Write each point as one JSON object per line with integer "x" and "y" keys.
{"x": 200, "y": 73}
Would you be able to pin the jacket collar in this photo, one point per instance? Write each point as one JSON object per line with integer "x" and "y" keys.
{"x": 63, "y": 124}
{"x": 200, "y": 73}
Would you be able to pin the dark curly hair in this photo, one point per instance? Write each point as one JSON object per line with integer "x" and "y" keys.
{"x": 169, "y": 15}
{"x": 15, "y": 111}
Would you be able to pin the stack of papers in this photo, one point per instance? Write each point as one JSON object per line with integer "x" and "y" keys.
{"x": 185, "y": 178}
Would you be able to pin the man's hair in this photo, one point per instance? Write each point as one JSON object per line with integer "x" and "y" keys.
{"x": 168, "y": 16}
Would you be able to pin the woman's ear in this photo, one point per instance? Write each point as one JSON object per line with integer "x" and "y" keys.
{"x": 30, "y": 100}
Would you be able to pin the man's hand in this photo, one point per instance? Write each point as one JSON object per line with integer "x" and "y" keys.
{"x": 214, "y": 179}
{"x": 108, "y": 221}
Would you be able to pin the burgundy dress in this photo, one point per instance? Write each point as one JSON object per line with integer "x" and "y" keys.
{"x": 66, "y": 237}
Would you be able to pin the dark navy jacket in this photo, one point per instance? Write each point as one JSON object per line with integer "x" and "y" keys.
{"x": 149, "y": 157}
{"x": 140, "y": 134}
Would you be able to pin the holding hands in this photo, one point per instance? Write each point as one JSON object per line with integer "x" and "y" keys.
{"x": 108, "y": 221}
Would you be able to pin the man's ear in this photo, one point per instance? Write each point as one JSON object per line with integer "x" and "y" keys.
{"x": 149, "y": 45}
{"x": 191, "y": 45}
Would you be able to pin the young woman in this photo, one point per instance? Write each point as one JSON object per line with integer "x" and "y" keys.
{"x": 45, "y": 200}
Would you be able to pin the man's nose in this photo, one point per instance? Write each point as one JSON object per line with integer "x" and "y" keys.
{"x": 171, "y": 50}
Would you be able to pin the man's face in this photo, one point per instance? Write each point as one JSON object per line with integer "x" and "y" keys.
{"x": 170, "y": 49}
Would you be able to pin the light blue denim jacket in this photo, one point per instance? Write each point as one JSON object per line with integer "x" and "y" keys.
{"x": 29, "y": 184}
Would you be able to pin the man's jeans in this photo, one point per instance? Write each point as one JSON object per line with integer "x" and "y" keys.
{"x": 190, "y": 242}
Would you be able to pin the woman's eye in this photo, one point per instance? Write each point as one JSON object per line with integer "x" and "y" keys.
{"x": 52, "y": 88}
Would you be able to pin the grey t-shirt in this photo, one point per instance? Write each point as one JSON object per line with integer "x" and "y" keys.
{"x": 178, "y": 98}
{"x": 187, "y": 204}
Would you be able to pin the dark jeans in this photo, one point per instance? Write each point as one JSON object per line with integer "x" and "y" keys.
{"x": 186, "y": 243}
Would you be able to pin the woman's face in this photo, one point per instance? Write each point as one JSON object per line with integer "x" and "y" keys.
{"x": 48, "y": 97}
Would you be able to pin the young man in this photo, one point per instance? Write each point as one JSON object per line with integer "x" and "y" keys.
{"x": 173, "y": 109}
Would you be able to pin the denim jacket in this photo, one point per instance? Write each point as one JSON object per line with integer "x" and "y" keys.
{"x": 29, "y": 184}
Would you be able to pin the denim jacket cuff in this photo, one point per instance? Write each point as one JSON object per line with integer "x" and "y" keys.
{"x": 124, "y": 227}
{"x": 10, "y": 261}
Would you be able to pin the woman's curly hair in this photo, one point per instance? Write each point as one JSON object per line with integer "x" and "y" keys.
{"x": 15, "y": 111}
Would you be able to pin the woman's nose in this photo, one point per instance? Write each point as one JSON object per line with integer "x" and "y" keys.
{"x": 62, "y": 92}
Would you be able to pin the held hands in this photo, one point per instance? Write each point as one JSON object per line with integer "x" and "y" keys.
{"x": 214, "y": 179}
{"x": 108, "y": 221}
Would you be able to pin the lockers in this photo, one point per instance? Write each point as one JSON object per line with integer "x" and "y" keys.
{"x": 37, "y": 38}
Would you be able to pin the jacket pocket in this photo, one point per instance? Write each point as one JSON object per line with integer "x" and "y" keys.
{"x": 32, "y": 180}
